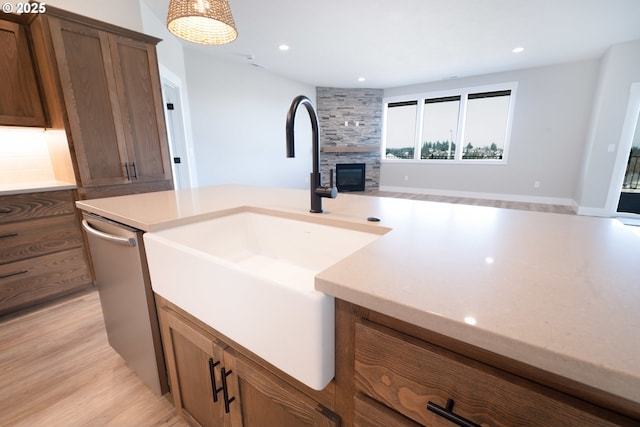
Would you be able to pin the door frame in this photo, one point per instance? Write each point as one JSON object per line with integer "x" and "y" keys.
{"x": 624, "y": 148}
{"x": 169, "y": 78}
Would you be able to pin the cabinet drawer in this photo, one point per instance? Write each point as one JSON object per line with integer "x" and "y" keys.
{"x": 18, "y": 207}
{"x": 406, "y": 374}
{"x": 369, "y": 413}
{"x": 28, "y": 239}
{"x": 26, "y": 282}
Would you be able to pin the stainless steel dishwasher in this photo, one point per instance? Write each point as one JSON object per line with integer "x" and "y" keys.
{"x": 128, "y": 307}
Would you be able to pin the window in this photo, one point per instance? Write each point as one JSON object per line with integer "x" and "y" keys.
{"x": 400, "y": 130}
{"x": 440, "y": 128}
{"x": 486, "y": 124}
{"x": 465, "y": 125}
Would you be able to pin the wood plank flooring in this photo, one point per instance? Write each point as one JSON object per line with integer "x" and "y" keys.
{"x": 57, "y": 369}
{"x": 537, "y": 207}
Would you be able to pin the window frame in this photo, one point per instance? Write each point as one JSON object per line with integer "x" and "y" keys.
{"x": 463, "y": 93}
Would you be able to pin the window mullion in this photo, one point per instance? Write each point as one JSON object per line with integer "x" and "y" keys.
{"x": 462, "y": 114}
{"x": 419, "y": 120}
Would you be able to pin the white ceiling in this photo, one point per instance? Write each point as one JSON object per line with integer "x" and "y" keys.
{"x": 400, "y": 42}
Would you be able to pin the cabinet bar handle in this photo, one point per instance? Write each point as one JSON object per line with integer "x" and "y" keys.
{"x": 17, "y": 273}
{"x": 126, "y": 168}
{"x": 6, "y": 236}
{"x": 133, "y": 170}
{"x": 225, "y": 391}
{"x": 447, "y": 413}
{"x": 214, "y": 387}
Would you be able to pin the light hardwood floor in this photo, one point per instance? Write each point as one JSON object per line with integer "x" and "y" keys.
{"x": 537, "y": 207}
{"x": 57, "y": 369}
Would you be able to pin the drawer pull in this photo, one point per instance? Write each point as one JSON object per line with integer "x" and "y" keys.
{"x": 225, "y": 391}
{"x": 17, "y": 273}
{"x": 447, "y": 413}
{"x": 6, "y": 236}
{"x": 214, "y": 386}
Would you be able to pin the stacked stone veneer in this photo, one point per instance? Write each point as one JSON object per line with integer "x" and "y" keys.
{"x": 335, "y": 107}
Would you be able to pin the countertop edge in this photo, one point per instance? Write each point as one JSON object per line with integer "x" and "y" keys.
{"x": 10, "y": 189}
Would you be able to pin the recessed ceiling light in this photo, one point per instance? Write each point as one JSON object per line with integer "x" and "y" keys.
{"x": 283, "y": 47}
{"x": 518, "y": 49}
{"x": 361, "y": 79}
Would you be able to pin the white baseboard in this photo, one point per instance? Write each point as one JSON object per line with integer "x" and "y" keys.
{"x": 587, "y": 211}
{"x": 487, "y": 196}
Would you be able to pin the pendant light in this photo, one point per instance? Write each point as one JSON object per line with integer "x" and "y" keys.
{"x": 202, "y": 21}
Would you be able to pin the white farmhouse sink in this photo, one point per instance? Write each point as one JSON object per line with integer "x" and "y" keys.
{"x": 250, "y": 273}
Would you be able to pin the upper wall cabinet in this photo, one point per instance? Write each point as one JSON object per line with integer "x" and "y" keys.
{"x": 105, "y": 81}
{"x": 20, "y": 102}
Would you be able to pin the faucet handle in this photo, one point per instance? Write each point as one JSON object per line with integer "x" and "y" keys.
{"x": 333, "y": 191}
{"x": 329, "y": 192}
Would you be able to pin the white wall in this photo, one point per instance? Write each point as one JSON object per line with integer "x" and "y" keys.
{"x": 24, "y": 156}
{"x": 171, "y": 62}
{"x": 620, "y": 68}
{"x": 170, "y": 51}
{"x": 238, "y": 116}
{"x": 125, "y": 13}
{"x": 550, "y": 123}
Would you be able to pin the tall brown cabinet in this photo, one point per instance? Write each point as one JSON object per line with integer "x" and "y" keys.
{"x": 101, "y": 84}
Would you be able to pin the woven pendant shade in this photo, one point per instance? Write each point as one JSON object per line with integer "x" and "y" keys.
{"x": 202, "y": 21}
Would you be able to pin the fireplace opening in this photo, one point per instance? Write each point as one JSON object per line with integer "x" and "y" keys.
{"x": 350, "y": 176}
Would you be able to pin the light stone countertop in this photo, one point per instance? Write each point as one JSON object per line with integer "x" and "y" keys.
{"x": 34, "y": 187}
{"x": 558, "y": 292}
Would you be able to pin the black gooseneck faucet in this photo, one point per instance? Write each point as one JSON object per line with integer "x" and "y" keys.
{"x": 315, "y": 181}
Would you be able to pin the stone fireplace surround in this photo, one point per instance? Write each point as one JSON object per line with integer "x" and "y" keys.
{"x": 350, "y": 123}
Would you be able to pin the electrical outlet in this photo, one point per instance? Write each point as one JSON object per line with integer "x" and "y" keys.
{"x": 406, "y": 177}
{"x": 536, "y": 184}
{"x": 346, "y": 123}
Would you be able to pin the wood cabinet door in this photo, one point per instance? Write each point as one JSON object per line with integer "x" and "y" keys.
{"x": 263, "y": 400}
{"x": 90, "y": 97}
{"x": 139, "y": 95}
{"x": 20, "y": 102}
{"x": 193, "y": 362}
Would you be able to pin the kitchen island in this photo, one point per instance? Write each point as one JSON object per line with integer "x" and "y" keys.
{"x": 555, "y": 292}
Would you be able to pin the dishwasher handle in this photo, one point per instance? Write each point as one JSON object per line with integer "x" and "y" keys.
{"x": 128, "y": 241}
